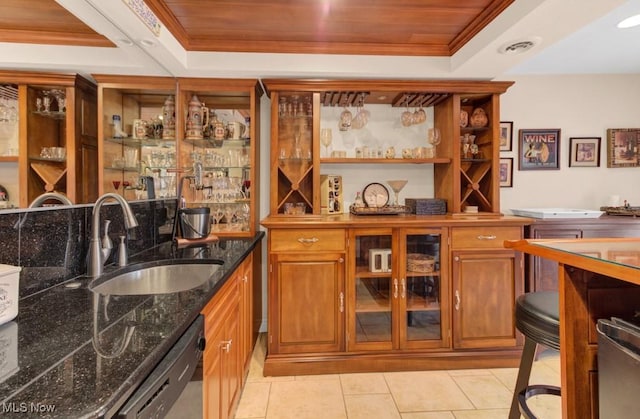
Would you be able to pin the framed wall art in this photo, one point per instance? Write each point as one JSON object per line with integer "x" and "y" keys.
{"x": 539, "y": 149}
{"x": 506, "y": 135}
{"x": 506, "y": 172}
{"x": 584, "y": 151}
{"x": 622, "y": 147}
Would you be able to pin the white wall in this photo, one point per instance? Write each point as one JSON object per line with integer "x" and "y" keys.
{"x": 581, "y": 106}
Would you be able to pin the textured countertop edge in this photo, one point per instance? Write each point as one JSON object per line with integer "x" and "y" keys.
{"x": 110, "y": 405}
{"x": 402, "y": 220}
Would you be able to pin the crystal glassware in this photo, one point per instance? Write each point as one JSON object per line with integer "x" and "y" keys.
{"x": 326, "y": 138}
{"x": 396, "y": 186}
{"x": 433, "y": 138}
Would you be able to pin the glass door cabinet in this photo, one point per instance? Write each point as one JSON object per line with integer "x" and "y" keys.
{"x": 397, "y": 289}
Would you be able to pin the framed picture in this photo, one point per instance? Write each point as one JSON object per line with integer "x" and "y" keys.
{"x": 506, "y": 172}
{"x": 539, "y": 149}
{"x": 584, "y": 152}
{"x": 622, "y": 147}
{"x": 506, "y": 135}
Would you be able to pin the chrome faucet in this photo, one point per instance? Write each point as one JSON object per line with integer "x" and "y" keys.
{"x": 98, "y": 254}
{"x": 41, "y": 199}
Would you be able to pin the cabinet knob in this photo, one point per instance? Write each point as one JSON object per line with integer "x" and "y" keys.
{"x": 341, "y": 260}
{"x": 311, "y": 240}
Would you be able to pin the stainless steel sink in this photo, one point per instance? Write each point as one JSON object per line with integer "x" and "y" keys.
{"x": 162, "y": 279}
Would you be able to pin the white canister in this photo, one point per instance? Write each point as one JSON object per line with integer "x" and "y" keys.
{"x": 9, "y": 281}
{"x": 8, "y": 350}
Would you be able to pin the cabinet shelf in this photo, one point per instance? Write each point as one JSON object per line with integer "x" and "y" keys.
{"x": 52, "y": 115}
{"x": 207, "y": 143}
{"x": 353, "y": 160}
{"x": 8, "y": 159}
{"x": 148, "y": 142}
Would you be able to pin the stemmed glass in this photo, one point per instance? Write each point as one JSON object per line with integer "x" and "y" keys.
{"x": 116, "y": 184}
{"x": 396, "y": 186}
{"x": 218, "y": 215}
{"x": 433, "y": 137}
{"x": 326, "y": 138}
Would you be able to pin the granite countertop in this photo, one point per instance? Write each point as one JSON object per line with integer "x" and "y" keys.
{"x": 73, "y": 356}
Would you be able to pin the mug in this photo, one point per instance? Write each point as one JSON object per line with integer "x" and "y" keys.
{"x": 139, "y": 129}
{"x": 236, "y": 130}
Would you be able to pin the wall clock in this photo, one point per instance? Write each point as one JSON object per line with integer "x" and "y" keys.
{"x": 375, "y": 195}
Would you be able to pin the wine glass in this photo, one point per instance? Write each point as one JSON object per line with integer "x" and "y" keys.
{"x": 396, "y": 186}
{"x": 116, "y": 184}
{"x": 218, "y": 215}
{"x": 326, "y": 138}
{"x": 433, "y": 137}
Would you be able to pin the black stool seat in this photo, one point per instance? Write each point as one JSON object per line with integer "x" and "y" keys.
{"x": 538, "y": 319}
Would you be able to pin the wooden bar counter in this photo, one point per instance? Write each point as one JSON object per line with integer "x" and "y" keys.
{"x": 598, "y": 278}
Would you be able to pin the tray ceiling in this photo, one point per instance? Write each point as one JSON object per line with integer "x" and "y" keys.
{"x": 374, "y": 27}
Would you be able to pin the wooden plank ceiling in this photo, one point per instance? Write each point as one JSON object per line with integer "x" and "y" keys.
{"x": 379, "y": 27}
{"x": 45, "y": 22}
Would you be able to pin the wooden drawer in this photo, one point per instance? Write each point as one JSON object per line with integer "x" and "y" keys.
{"x": 307, "y": 239}
{"x": 483, "y": 237}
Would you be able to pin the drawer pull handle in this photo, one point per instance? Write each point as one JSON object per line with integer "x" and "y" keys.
{"x": 486, "y": 237}
{"x": 457, "y": 300}
{"x": 226, "y": 345}
{"x": 304, "y": 240}
{"x": 341, "y": 302}
{"x": 404, "y": 289}
{"x": 395, "y": 287}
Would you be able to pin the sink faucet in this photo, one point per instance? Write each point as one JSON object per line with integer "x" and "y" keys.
{"x": 41, "y": 199}
{"x": 97, "y": 254}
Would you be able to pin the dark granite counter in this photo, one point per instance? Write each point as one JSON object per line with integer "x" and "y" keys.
{"x": 82, "y": 354}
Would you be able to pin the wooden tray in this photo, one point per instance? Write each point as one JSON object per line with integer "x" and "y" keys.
{"x": 386, "y": 210}
{"x": 628, "y": 211}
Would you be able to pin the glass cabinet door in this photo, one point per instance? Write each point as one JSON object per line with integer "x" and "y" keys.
{"x": 421, "y": 291}
{"x": 373, "y": 291}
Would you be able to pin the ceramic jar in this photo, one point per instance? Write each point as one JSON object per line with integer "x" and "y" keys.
{"x": 464, "y": 118}
{"x": 479, "y": 118}
{"x": 169, "y": 119}
{"x": 193, "y": 127}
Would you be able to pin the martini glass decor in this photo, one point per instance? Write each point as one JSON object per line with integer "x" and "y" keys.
{"x": 396, "y": 186}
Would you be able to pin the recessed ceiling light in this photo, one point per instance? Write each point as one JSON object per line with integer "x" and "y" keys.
{"x": 629, "y": 22}
{"x": 519, "y": 46}
{"x": 147, "y": 43}
{"x": 125, "y": 41}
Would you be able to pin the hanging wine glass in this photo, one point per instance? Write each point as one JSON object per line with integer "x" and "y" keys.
{"x": 116, "y": 184}
{"x": 346, "y": 117}
{"x": 326, "y": 138}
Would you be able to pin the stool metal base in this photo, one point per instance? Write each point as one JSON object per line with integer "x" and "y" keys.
{"x": 534, "y": 390}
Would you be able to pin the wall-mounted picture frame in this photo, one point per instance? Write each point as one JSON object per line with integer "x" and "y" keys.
{"x": 506, "y": 172}
{"x": 539, "y": 149}
{"x": 506, "y": 135}
{"x": 622, "y": 147}
{"x": 584, "y": 151}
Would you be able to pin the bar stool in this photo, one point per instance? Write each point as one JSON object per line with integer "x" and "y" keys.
{"x": 538, "y": 319}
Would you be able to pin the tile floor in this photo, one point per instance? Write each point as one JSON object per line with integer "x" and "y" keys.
{"x": 452, "y": 394}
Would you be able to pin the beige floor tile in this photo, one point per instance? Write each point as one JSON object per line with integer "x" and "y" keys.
{"x": 428, "y": 415}
{"x": 319, "y": 377}
{"x": 306, "y": 399}
{"x": 366, "y": 383}
{"x": 253, "y": 401}
{"x": 455, "y": 373}
{"x": 547, "y": 407}
{"x": 368, "y": 406}
{"x": 426, "y": 391}
{"x": 485, "y": 391}
{"x": 482, "y": 414}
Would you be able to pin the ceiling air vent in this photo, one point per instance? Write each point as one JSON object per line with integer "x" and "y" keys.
{"x": 519, "y": 46}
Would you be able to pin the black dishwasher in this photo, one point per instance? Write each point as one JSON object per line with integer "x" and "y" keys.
{"x": 159, "y": 391}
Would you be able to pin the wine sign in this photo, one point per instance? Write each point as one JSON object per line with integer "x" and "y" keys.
{"x": 539, "y": 149}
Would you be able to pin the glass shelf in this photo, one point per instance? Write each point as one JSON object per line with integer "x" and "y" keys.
{"x": 52, "y": 115}
{"x": 147, "y": 142}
